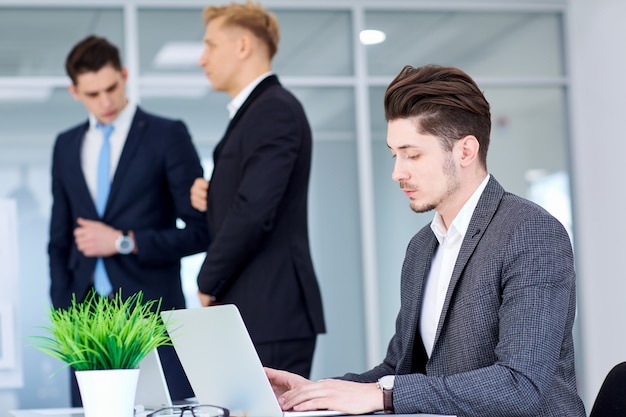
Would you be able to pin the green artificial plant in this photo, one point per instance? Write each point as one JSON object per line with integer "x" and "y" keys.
{"x": 104, "y": 333}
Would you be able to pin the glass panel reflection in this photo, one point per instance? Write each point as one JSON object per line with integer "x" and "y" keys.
{"x": 41, "y": 46}
{"x": 55, "y": 110}
{"x": 334, "y": 225}
{"x": 484, "y": 44}
{"x": 331, "y": 111}
{"x": 528, "y": 134}
{"x": 174, "y": 47}
{"x": 313, "y": 42}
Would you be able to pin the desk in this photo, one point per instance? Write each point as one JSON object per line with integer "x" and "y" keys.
{"x": 78, "y": 412}
{"x": 48, "y": 412}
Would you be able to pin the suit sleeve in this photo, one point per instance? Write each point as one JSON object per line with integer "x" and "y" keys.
{"x": 182, "y": 166}
{"x": 61, "y": 235}
{"x": 269, "y": 156}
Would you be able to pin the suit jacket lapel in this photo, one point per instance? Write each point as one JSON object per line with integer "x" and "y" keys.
{"x": 418, "y": 276}
{"x": 268, "y": 82}
{"x": 484, "y": 212}
{"x": 131, "y": 144}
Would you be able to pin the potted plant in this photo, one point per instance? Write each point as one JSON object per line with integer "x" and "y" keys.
{"x": 104, "y": 339}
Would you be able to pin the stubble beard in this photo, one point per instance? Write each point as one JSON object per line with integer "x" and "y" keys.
{"x": 453, "y": 184}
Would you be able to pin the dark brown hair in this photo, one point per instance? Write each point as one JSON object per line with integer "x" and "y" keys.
{"x": 250, "y": 16}
{"x": 91, "y": 55}
{"x": 445, "y": 101}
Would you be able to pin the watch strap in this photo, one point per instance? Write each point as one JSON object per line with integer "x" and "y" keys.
{"x": 388, "y": 400}
{"x": 385, "y": 384}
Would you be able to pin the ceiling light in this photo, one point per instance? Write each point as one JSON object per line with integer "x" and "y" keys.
{"x": 372, "y": 36}
{"x": 178, "y": 55}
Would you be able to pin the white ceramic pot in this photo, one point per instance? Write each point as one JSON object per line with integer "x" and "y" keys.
{"x": 109, "y": 392}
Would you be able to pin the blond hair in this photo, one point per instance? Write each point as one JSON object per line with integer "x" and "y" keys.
{"x": 251, "y": 16}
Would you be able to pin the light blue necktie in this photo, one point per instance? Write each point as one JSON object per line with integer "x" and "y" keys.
{"x": 103, "y": 186}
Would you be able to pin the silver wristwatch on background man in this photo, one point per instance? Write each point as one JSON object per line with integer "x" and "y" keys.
{"x": 124, "y": 244}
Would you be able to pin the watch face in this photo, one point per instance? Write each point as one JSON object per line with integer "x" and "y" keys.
{"x": 386, "y": 382}
{"x": 125, "y": 245}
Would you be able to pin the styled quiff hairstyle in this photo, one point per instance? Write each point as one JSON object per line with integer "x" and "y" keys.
{"x": 91, "y": 55}
{"x": 444, "y": 101}
{"x": 251, "y": 16}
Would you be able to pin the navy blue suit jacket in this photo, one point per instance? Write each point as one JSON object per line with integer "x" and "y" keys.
{"x": 150, "y": 190}
{"x": 259, "y": 257}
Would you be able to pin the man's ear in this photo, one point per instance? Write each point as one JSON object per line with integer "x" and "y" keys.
{"x": 73, "y": 91}
{"x": 244, "y": 45}
{"x": 469, "y": 147}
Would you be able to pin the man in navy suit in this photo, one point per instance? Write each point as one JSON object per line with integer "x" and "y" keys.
{"x": 126, "y": 238}
{"x": 488, "y": 297}
{"x": 256, "y": 204}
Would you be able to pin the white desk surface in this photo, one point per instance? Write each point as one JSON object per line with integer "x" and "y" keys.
{"x": 78, "y": 412}
{"x": 48, "y": 412}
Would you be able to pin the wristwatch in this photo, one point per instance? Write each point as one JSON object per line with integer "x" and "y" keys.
{"x": 385, "y": 383}
{"x": 124, "y": 244}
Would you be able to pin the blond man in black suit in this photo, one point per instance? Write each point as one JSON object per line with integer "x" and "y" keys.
{"x": 256, "y": 204}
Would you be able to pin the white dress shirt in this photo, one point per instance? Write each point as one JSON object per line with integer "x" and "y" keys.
{"x": 234, "y": 105}
{"x": 90, "y": 150}
{"x": 443, "y": 264}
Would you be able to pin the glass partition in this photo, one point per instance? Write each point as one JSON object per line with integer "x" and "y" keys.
{"x": 173, "y": 47}
{"x": 484, "y": 44}
{"x": 41, "y": 38}
{"x": 515, "y": 55}
{"x": 315, "y": 43}
{"x": 312, "y": 42}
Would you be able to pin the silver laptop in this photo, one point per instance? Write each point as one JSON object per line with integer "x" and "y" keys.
{"x": 152, "y": 391}
{"x": 221, "y": 363}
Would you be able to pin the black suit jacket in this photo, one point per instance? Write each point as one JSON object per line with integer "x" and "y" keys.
{"x": 259, "y": 257}
{"x": 150, "y": 190}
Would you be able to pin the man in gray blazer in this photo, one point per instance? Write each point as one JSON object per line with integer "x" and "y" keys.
{"x": 488, "y": 288}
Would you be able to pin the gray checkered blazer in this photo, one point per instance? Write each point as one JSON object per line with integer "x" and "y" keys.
{"x": 504, "y": 342}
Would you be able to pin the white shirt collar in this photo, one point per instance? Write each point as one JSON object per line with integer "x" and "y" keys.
{"x": 239, "y": 99}
{"x": 461, "y": 222}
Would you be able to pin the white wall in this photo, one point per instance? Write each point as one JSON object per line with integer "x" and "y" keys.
{"x": 598, "y": 73}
